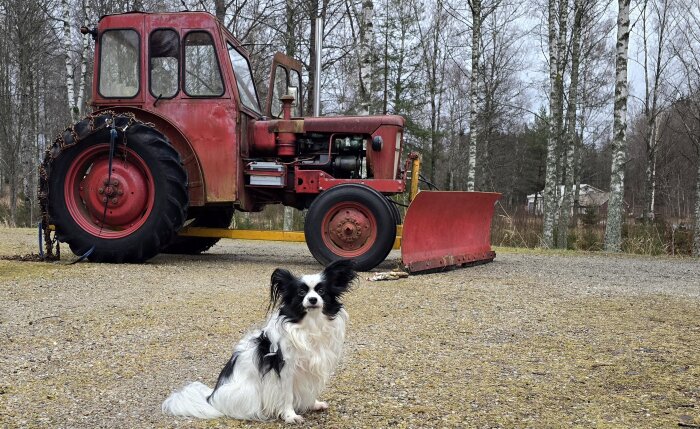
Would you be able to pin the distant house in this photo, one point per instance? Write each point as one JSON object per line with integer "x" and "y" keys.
{"x": 589, "y": 197}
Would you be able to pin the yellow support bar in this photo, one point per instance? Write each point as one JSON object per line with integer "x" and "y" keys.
{"x": 415, "y": 174}
{"x": 243, "y": 234}
{"x": 253, "y": 234}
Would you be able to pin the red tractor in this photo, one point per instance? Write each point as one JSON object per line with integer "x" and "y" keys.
{"x": 179, "y": 138}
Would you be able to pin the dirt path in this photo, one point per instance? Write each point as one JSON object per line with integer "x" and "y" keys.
{"x": 535, "y": 339}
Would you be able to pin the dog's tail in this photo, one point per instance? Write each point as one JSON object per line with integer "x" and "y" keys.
{"x": 191, "y": 401}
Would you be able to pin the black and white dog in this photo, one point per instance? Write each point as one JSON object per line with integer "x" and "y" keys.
{"x": 280, "y": 370}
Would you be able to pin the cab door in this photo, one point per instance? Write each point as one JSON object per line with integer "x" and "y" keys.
{"x": 189, "y": 86}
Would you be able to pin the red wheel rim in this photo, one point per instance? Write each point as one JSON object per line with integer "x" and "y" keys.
{"x": 129, "y": 194}
{"x": 349, "y": 229}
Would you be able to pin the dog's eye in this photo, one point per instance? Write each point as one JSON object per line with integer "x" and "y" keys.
{"x": 320, "y": 291}
{"x": 302, "y": 292}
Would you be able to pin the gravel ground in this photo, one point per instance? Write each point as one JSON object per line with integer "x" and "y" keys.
{"x": 534, "y": 339}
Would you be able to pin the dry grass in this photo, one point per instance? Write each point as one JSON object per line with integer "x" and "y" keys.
{"x": 535, "y": 339}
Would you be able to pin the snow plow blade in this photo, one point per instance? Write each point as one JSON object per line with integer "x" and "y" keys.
{"x": 444, "y": 229}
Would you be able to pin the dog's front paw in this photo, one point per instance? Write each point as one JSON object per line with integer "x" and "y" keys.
{"x": 293, "y": 418}
{"x": 320, "y": 406}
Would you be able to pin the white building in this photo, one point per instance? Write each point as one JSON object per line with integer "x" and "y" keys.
{"x": 589, "y": 197}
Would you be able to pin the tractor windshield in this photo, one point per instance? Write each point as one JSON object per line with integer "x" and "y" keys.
{"x": 244, "y": 79}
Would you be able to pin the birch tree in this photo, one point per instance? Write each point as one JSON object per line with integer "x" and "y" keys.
{"x": 570, "y": 142}
{"x": 557, "y": 19}
{"x": 70, "y": 69}
{"x": 613, "y": 227}
{"x": 479, "y": 11}
{"x": 475, "y": 6}
{"x": 655, "y": 67}
{"x": 366, "y": 57}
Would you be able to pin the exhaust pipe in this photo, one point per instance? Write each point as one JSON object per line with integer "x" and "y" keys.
{"x": 317, "y": 68}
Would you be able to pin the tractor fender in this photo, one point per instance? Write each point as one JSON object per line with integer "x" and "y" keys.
{"x": 195, "y": 177}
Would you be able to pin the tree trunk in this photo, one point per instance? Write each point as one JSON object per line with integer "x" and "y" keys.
{"x": 313, "y": 79}
{"x": 651, "y": 105}
{"x": 550, "y": 187}
{"x": 84, "y": 61}
{"x": 366, "y": 61}
{"x": 70, "y": 70}
{"x": 650, "y": 171}
{"x": 220, "y": 10}
{"x": 474, "y": 93}
{"x": 568, "y": 198}
{"x": 613, "y": 228}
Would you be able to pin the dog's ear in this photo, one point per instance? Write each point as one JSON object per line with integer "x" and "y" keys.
{"x": 280, "y": 281}
{"x": 340, "y": 275}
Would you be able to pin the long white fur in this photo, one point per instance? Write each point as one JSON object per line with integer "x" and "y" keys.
{"x": 311, "y": 351}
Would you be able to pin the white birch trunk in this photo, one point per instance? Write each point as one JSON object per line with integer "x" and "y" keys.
{"x": 613, "y": 228}
{"x": 366, "y": 46}
{"x": 474, "y": 94}
{"x": 83, "y": 63}
{"x": 650, "y": 177}
{"x": 651, "y": 103}
{"x": 568, "y": 197}
{"x": 550, "y": 181}
{"x": 70, "y": 70}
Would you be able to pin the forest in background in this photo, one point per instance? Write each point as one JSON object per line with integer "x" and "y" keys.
{"x": 511, "y": 96}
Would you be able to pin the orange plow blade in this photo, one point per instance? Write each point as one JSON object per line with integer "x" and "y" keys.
{"x": 443, "y": 229}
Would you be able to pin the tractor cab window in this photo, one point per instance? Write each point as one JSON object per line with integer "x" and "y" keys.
{"x": 244, "y": 79}
{"x": 164, "y": 51}
{"x": 202, "y": 73}
{"x": 119, "y": 64}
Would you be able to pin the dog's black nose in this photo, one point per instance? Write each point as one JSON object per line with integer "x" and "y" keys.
{"x": 313, "y": 300}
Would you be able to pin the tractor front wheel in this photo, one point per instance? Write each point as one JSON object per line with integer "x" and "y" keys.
{"x": 350, "y": 222}
{"x": 127, "y": 214}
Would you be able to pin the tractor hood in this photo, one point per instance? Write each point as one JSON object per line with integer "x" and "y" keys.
{"x": 331, "y": 124}
{"x": 351, "y": 124}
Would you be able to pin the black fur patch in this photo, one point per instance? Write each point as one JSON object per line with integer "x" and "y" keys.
{"x": 286, "y": 290}
{"x": 338, "y": 278}
{"x": 225, "y": 372}
{"x": 267, "y": 359}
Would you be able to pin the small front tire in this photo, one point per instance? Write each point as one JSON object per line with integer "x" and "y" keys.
{"x": 350, "y": 222}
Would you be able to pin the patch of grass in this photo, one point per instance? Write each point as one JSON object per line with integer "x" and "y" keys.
{"x": 13, "y": 270}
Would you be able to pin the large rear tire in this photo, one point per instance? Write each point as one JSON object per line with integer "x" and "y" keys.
{"x": 145, "y": 195}
{"x": 207, "y": 217}
{"x": 350, "y": 222}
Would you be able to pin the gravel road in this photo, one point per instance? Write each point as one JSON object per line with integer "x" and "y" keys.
{"x": 534, "y": 339}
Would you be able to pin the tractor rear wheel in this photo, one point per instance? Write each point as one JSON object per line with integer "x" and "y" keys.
{"x": 127, "y": 215}
{"x": 208, "y": 217}
{"x": 350, "y": 222}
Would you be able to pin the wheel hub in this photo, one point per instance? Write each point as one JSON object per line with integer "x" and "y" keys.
{"x": 350, "y": 229}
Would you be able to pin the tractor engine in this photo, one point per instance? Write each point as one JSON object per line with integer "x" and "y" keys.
{"x": 341, "y": 156}
{"x": 301, "y": 154}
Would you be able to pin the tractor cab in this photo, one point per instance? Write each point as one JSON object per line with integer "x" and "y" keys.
{"x": 143, "y": 59}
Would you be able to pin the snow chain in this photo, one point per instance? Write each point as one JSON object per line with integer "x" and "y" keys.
{"x": 68, "y": 138}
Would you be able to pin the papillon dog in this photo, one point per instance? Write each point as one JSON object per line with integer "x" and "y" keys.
{"x": 279, "y": 371}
